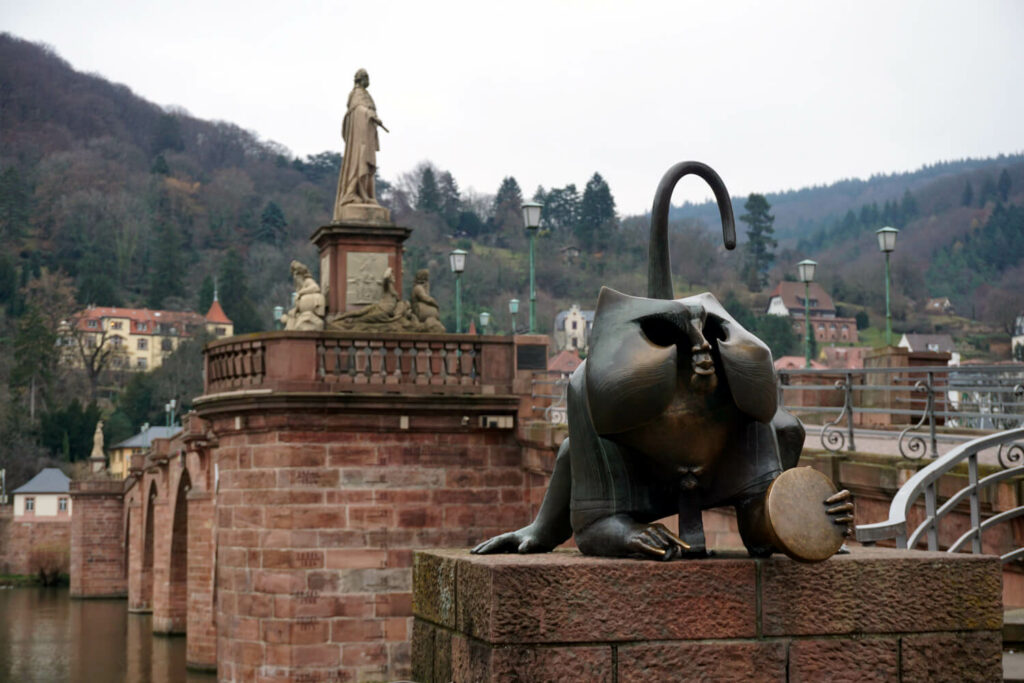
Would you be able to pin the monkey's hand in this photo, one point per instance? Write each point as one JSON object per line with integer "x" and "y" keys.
{"x": 524, "y": 541}
{"x": 621, "y": 536}
{"x": 840, "y": 509}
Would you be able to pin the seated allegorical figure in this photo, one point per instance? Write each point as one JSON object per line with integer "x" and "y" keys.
{"x": 424, "y": 306}
{"x": 310, "y": 304}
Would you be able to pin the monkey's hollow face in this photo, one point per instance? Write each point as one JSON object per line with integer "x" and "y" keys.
{"x": 650, "y": 358}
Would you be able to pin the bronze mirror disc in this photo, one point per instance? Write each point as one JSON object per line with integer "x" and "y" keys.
{"x": 797, "y": 515}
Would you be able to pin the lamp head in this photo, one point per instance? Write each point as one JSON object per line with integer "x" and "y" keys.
{"x": 457, "y": 260}
{"x": 887, "y": 239}
{"x": 805, "y": 270}
{"x": 531, "y": 215}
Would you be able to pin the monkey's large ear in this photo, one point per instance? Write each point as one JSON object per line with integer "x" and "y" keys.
{"x": 747, "y": 362}
{"x": 630, "y": 380}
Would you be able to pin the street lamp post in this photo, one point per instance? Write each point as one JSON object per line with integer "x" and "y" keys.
{"x": 169, "y": 409}
{"x": 457, "y": 261}
{"x": 886, "y": 243}
{"x": 485, "y": 319}
{"x": 805, "y": 271}
{"x": 513, "y": 308}
{"x": 531, "y": 218}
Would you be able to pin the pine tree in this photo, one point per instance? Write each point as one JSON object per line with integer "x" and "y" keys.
{"x": 428, "y": 197}
{"x": 968, "y": 196}
{"x": 760, "y": 242}
{"x": 508, "y": 206}
{"x": 1003, "y": 186}
{"x": 597, "y": 214}
{"x": 234, "y": 295}
{"x": 450, "y": 202}
{"x": 165, "y": 276}
{"x": 272, "y": 224}
{"x": 561, "y": 209}
{"x": 205, "y": 295}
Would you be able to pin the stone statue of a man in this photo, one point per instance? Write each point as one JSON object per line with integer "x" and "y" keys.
{"x": 359, "y": 130}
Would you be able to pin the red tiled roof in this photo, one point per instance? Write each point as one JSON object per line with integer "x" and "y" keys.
{"x": 797, "y": 363}
{"x": 216, "y": 314}
{"x": 566, "y": 361}
{"x": 143, "y": 320}
{"x": 792, "y": 294}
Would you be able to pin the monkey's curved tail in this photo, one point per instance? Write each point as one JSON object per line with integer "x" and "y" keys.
{"x": 659, "y": 273}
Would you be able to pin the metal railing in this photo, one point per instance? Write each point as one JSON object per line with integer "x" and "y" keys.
{"x": 918, "y": 401}
{"x": 925, "y": 482}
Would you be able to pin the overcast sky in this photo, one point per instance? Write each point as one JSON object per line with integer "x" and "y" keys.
{"x": 773, "y": 95}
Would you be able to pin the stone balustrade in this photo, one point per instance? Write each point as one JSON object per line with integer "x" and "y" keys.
{"x": 360, "y": 362}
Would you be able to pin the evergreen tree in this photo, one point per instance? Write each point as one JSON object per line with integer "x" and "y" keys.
{"x": 167, "y": 135}
{"x": 908, "y": 208}
{"x": 760, "y": 243}
{"x": 508, "y": 206}
{"x": 988, "y": 191}
{"x": 597, "y": 214}
{"x": 234, "y": 295}
{"x": 165, "y": 275}
{"x": 561, "y": 211}
{"x": 1003, "y": 186}
{"x": 428, "y": 197}
{"x": 15, "y": 204}
{"x": 451, "y": 203}
{"x": 205, "y": 295}
{"x": 272, "y": 224}
{"x": 968, "y": 196}
{"x": 159, "y": 166}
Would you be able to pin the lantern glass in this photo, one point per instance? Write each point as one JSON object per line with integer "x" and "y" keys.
{"x": 485, "y": 319}
{"x": 887, "y": 239}
{"x": 513, "y": 306}
{"x": 805, "y": 270}
{"x": 531, "y": 214}
{"x": 457, "y": 260}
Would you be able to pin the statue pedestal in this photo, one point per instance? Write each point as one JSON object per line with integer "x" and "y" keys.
{"x": 353, "y": 256}
{"x": 875, "y": 614}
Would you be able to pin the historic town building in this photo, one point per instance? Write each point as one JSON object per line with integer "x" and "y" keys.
{"x": 788, "y": 299}
{"x": 142, "y": 338}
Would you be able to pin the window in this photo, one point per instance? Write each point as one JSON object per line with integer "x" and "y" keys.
{"x": 220, "y": 331}
{"x": 143, "y": 344}
{"x": 574, "y": 324}
{"x": 62, "y": 505}
{"x": 115, "y": 325}
{"x": 92, "y": 323}
{"x": 90, "y": 341}
{"x": 166, "y": 345}
{"x": 118, "y": 342}
{"x": 140, "y": 363}
{"x": 933, "y": 347}
{"x": 30, "y": 506}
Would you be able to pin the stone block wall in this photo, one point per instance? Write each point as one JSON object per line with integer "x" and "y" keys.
{"x": 872, "y": 615}
{"x": 318, "y": 515}
{"x": 50, "y": 535}
{"x": 6, "y": 516}
{"x": 97, "y": 539}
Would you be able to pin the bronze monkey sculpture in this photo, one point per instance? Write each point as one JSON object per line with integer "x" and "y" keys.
{"x": 675, "y": 410}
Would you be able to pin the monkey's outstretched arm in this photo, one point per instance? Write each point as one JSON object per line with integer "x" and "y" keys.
{"x": 551, "y": 527}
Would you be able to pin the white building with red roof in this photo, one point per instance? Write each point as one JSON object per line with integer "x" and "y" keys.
{"x": 142, "y": 336}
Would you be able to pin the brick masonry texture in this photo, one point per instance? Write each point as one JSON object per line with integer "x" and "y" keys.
{"x": 316, "y": 524}
{"x": 97, "y": 539}
{"x": 20, "y": 537}
{"x": 852, "y": 618}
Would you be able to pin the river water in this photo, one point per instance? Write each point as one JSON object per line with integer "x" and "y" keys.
{"x": 46, "y": 636}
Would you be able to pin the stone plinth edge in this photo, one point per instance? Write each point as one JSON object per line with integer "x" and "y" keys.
{"x": 874, "y": 614}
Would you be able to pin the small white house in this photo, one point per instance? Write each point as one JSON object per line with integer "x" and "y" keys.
{"x": 46, "y": 495}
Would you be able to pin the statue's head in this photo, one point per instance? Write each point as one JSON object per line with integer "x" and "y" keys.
{"x": 422, "y": 276}
{"x": 362, "y": 78}
{"x": 300, "y": 270}
{"x": 389, "y": 275}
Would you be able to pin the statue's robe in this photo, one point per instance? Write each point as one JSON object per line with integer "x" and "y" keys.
{"x": 355, "y": 182}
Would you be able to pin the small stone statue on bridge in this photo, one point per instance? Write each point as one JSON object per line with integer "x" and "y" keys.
{"x": 310, "y": 305}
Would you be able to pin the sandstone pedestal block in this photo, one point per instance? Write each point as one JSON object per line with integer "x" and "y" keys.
{"x": 872, "y": 615}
